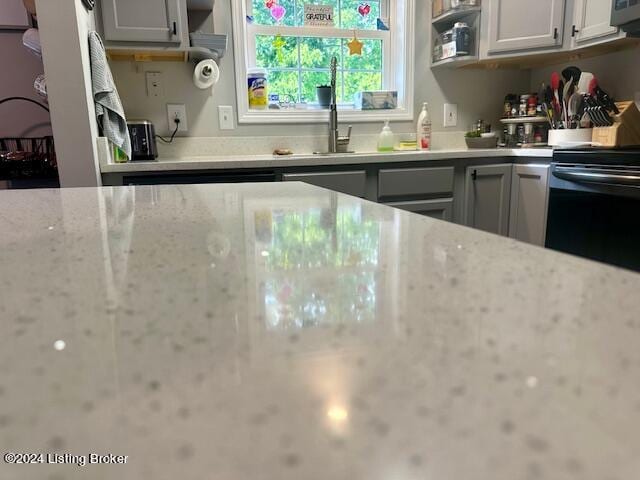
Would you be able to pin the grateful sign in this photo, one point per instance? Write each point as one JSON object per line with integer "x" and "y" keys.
{"x": 318, "y": 15}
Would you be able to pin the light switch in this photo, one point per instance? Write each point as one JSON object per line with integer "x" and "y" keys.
{"x": 450, "y": 115}
{"x": 154, "y": 85}
{"x": 225, "y": 117}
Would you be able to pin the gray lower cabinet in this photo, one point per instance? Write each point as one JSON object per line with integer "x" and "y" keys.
{"x": 487, "y": 197}
{"x": 415, "y": 182}
{"x": 352, "y": 182}
{"x": 520, "y": 25}
{"x": 441, "y": 209}
{"x": 155, "y": 21}
{"x": 529, "y": 200}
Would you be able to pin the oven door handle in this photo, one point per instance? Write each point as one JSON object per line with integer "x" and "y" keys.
{"x": 578, "y": 176}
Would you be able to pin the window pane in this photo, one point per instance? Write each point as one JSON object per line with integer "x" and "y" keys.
{"x": 311, "y": 80}
{"x": 262, "y": 15}
{"x": 267, "y": 55}
{"x": 346, "y": 13}
{"x": 317, "y": 52}
{"x": 284, "y": 84}
{"x": 358, "y": 81}
{"x": 371, "y": 58}
{"x": 351, "y": 17}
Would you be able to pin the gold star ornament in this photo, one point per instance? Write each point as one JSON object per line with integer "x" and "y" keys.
{"x": 278, "y": 45}
{"x": 355, "y": 46}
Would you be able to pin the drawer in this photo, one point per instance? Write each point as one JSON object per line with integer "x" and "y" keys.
{"x": 441, "y": 208}
{"x": 351, "y": 183}
{"x": 415, "y": 182}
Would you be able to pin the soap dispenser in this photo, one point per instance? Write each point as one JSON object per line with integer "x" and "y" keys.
{"x": 386, "y": 140}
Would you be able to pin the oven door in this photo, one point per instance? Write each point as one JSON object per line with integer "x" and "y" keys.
{"x": 594, "y": 212}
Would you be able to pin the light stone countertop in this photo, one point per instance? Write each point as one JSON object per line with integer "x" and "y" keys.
{"x": 213, "y": 162}
{"x": 283, "y": 331}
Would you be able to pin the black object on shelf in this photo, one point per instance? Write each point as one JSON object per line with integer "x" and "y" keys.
{"x": 28, "y": 162}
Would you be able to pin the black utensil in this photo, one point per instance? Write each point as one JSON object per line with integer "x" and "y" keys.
{"x": 572, "y": 73}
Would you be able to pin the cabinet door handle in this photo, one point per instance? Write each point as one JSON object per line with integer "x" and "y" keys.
{"x": 175, "y": 29}
{"x": 555, "y": 33}
{"x": 474, "y": 175}
{"x": 574, "y": 30}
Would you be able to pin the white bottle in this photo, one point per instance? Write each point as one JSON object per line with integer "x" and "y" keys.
{"x": 423, "y": 135}
{"x": 386, "y": 140}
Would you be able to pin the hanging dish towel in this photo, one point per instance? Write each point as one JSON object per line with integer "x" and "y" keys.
{"x": 109, "y": 109}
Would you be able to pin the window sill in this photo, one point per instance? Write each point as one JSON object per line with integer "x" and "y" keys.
{"x": 322, "y": 116}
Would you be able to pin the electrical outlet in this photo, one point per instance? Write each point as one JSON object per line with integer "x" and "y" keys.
{"x": 450, "y": 115}
{"x": 155, "y": 87}
{"x": 225, "y": 117}
{"x": 177, "y": 111}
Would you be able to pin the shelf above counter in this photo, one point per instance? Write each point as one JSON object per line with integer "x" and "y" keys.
{"x": 153, "y": 54}
{"x": 455, "y": 62}
{"x": 453, "y": 16}
{"x": 519, "y": 120}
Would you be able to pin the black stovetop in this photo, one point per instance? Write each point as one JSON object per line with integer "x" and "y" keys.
{"x": 598, "y": 156}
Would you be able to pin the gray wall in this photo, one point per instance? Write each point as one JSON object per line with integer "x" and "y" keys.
{"x": 478, "y": 93}
{"x": 19, "y": 70}
{"x": 618, "y": 73}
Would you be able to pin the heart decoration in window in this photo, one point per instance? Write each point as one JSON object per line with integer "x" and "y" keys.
{"x": 364, "y": 9}
{"x": 278, "y": 12}
{"x": 269, "y": 4}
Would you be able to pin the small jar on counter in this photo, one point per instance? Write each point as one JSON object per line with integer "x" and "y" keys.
{"x": 538, "y": 137}
{"x": 528, "y": 133}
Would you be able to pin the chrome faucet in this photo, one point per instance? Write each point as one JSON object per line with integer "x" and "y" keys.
{"x": 333, "y": 109}
{"x": 337, "y": 144}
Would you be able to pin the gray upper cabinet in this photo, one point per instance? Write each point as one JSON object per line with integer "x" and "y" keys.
{"x": 529, "y": 200}
{"x": 592, "y": 22}
{"x": 148, "y": 21}
{"x": 351, "y": 183}
{"x": 442, "y": 209}
{"x": 487, "y": 198}
{"x": 521, "y": 25}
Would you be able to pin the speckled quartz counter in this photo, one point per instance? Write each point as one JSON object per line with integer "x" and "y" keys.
{"x": 282, "y": 331}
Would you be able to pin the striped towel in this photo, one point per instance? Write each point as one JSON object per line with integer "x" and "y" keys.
{"x": 109, "y": 111}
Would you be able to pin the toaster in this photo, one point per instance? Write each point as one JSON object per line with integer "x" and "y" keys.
{"x": 143, "y": 140}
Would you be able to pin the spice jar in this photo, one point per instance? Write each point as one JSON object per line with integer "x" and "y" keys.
{"x": 537, "y": 134}
{"x": 509, "y": 100}
{"x": 532, "y": 105}
{"x": 524, "y": 105}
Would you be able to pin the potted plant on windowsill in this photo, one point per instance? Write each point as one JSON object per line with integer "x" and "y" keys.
{"x": 324, "y": 95}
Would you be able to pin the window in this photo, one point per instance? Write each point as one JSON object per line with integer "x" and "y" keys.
{"x": 296, "y": 56}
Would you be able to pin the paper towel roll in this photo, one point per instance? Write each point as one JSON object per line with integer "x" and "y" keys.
{"x": 206, "y": 74}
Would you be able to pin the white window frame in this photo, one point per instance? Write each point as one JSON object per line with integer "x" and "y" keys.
{"x": 397, "y": 72}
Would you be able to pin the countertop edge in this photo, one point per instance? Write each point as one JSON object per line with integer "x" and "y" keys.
{"x": 305, "y": 160}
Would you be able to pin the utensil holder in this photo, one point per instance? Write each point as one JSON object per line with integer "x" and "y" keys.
{"x": 570, "y": 138}
{"x": 625, "y": 131}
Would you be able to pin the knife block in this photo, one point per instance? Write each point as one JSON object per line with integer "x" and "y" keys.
{"x": 625, "y": 131}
